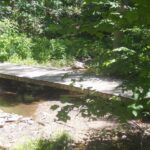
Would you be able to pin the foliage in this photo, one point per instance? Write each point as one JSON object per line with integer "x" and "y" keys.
{"x": 41, "y": 49}
{"x": 44, "y": 49}
{"x": 128, "y": 57}
{"x": 39, "y": 17}
{"x": 13, "y": 43}
{"x": 17, "y": 60}
{"x": 61, "y": 142}
{"x": 141, "y": 105}
{"x": 93, "y": 107}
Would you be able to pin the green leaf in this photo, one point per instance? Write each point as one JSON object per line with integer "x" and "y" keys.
{"x": 54, "y": 107}
{"x": 135, "y": 113}
{"x": 135, "y": 107}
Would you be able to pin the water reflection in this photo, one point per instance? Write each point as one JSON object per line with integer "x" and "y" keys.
{"x": 23, "y": 105}
{"x": 23, "y": 98}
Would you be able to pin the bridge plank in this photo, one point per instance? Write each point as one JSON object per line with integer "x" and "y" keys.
{"x": 64, "y": 79}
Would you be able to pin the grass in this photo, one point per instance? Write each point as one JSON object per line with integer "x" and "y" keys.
{"x": 52, "y": 63}
{"x": 60, "y": 142}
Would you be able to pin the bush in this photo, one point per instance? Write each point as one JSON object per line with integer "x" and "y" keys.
{"x": 136, "y": 38}
{"x": 13, "y": 43}
{"x": 44, "y": 49}
{"x": 61, "y": 142}
{"x": 118, "y": 62}
{"x": 41, "y": 50}
{"x": 81, "y": 48}
{"x": 58, "y": 49}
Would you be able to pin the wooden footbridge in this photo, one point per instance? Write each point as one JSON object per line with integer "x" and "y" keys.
{"x": 72, "y": 80}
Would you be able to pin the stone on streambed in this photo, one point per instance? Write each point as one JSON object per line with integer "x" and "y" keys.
{"x": 6, "y": 118}
{"x": 27, "y": 120}
{"x": 13, "y": 118}
{"x": 2, "y": 123}
{"x": 78, "y": 65}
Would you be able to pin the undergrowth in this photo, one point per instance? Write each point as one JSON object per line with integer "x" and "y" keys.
{"x": 60, "y": 142}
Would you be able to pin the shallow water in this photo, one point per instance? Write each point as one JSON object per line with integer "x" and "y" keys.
{"x": 13, "y": 103}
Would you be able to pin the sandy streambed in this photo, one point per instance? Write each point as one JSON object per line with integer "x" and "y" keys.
{"x": 43, "y": 123}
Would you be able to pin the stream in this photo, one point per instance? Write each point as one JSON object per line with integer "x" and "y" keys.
{"x": 23, "y": 99}
{"x": 12, "y": 103}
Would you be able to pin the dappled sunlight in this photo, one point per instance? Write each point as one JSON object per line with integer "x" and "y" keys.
{"x": 94, "y": 108}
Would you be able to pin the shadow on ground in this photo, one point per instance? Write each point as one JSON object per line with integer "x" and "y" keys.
{"x": 93, "y": 107}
